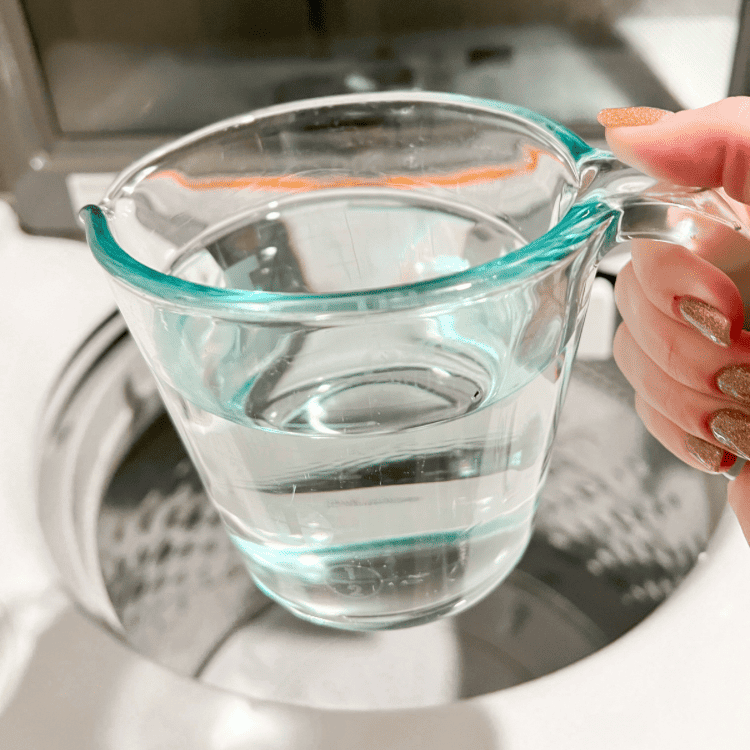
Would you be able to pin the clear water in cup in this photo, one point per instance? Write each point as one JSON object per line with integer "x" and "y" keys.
{"x": 371, "y": 475}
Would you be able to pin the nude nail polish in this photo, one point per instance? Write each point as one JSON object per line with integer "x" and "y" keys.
{"x": 732, "y": 428}
{"x": 713, "y": 324}
{"x": 734, "y": 381}
{"x": 707, "y": 454}
{"x": 620, "y": 117}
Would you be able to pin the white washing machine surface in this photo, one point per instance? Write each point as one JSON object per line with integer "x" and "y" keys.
{"x": 127, "y": 622}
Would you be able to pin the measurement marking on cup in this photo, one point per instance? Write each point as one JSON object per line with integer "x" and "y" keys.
{"x": 375, "y": 501}
{"x": 290, "y": 516}
{"x": 354, "y": 580}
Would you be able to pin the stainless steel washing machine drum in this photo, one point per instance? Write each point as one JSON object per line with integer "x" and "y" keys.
{"x": 138, "y": 545}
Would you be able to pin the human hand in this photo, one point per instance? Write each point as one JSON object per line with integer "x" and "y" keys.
{"x": 682, "y": 345}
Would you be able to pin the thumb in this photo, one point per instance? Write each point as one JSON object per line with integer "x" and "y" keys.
{"x": 707, "y": 147}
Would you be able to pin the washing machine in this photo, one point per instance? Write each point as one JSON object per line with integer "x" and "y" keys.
{"x": 127, "y": 619}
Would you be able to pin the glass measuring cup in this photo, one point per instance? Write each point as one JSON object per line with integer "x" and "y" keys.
{"x": 361, "y": 313}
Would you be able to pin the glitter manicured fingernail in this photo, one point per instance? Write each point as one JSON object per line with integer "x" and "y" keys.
{"x": 706, "y": 319}
{"x": 707, "y": 454}
{"x": 734, "y": 381}
{"x": 630, "y": 116}
{"x": 732, "y": 428}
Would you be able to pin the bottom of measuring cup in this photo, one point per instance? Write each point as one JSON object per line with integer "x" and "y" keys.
{"x": 392, "y": 620}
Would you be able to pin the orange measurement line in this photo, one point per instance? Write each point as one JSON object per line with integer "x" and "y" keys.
{"x": 299, "y": 183}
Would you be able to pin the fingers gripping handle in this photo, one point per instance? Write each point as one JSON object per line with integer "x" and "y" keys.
{"x": 700, "y": 220}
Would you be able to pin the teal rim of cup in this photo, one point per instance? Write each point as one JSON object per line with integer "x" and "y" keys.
{"x": 575, "y": 228}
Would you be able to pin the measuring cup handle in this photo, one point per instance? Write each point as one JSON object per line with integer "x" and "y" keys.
{"x": 658, "y": 210}
{"x": 679, "y": 215}
{"x": 699, "y": 219}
